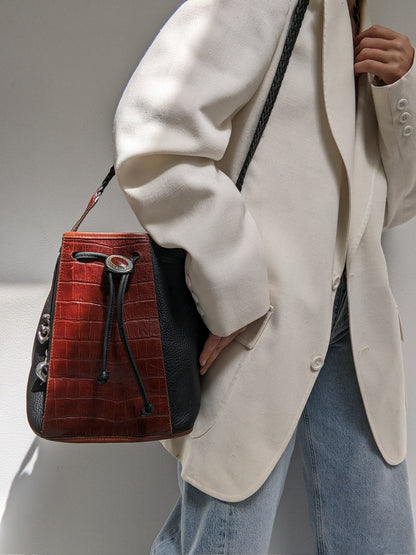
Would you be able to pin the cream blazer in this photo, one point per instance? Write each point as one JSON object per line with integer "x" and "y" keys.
{"x": 267, "y": 257}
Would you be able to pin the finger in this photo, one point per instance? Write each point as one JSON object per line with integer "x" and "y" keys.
{"x": 213, "y": 346}
{"x": 212, "y": 356}
{"x": 216, "y": 351}
{"x": 373, "y": 43}
{"x": 376, "y": 55}
{"x": 377, "y": 31}
{"x": 384, "y": 71}
{"x": 208, "y": 347}
{"x": 369, "y": 66}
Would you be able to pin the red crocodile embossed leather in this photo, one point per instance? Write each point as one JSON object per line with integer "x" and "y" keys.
{"x": 77, "y": 407}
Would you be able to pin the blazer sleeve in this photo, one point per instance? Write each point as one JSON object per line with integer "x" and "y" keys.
{"x": 173, "y": 122}
{"x": 395, "y": 106}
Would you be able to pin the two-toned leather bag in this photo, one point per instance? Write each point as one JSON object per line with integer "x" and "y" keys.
{"x": 98, "y": 378}
{"x": 115, "y": 354}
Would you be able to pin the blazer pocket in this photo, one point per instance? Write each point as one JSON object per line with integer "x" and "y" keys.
{"x": 254, "y": 330}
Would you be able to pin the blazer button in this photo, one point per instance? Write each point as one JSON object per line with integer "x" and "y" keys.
{"x": 187, "y": 281}
{"x": 335, "y": 282}
{"x": 404, "y": 117}
{"x": 408, "y": 130}
{"x": 402, "y": 103}
{"x": 199, "y": 309}
{"x": 317, "y": 363}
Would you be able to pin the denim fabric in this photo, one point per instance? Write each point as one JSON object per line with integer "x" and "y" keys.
{"x": 358, "y": 504}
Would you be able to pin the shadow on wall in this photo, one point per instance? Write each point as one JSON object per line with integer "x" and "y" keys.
{"x": 75, "y": 499}
{"x": 88, "y": 499}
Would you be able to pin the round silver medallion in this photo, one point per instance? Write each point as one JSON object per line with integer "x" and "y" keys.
{"x": 119, "y": 264}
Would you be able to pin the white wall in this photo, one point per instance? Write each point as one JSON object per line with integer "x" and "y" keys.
{"x": 63, "y": 68}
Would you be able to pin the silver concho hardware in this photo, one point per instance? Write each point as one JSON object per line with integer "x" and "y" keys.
{"x": 119, "y": 264}
{"x": 42, "y": 370}
{"x": 44, "y": 329}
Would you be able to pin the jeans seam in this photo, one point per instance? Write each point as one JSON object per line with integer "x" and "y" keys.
{"x": 227, "y": 520}
{"x": 315, "y": 487}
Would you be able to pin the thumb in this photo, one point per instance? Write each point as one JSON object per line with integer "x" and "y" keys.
{"x": 213, "y": 346}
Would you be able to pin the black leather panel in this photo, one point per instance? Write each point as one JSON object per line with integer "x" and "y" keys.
{"x": 183, "y": 335}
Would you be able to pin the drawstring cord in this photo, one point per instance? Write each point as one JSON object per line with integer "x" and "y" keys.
{"x": 122, "y": 266}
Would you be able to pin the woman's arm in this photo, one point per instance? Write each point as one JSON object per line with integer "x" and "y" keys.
{"x": 389, "y": 56}
{"x": 173, "y": 122}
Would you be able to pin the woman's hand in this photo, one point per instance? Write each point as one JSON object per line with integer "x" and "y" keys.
{"x": 212, "y": 348}
{"x": 383, "y": 52}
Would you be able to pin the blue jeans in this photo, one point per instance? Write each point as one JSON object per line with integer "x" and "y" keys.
{"x": 358, "y": 504}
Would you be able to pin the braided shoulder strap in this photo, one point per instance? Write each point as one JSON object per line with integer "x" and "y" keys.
{"x": 295, "y": 25}
{"x": 294, "y": 28}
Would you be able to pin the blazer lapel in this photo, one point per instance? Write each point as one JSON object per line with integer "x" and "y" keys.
{"x": 366, "y": 157}
{"x": 338, "y": 77}
{"x": 348, "y": 123}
